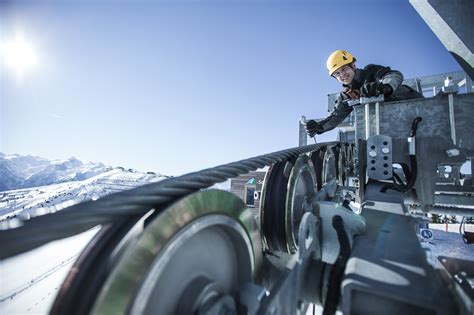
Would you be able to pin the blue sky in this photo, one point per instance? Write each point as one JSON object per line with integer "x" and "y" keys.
{"x": 178, "y": 86}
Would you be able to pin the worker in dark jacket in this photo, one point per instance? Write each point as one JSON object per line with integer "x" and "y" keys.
{"x": 373, "y": 80}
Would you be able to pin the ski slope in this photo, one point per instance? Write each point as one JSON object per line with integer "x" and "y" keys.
{"x": 30, "y": 202}
{"x": 29, "y": 282}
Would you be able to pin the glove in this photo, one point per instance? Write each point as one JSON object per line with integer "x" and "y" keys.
{"x": 375, "y": 88}
{"x": 313, "y": 127}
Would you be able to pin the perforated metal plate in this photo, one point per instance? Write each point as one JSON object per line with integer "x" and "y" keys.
{"x": 379, "y": 157}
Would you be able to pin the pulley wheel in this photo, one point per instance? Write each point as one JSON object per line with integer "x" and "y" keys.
{"x": 329, "y": 171}
{"x": 317, "y": 158}
{"x": 201, "y": 249}
{"x": 352, "y": 158}
{"x": 342, "y": 165}
{"x": 273, "y": 205}
{"x": 302, "y": 188}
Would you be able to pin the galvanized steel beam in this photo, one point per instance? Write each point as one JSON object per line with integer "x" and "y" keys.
{"x": 453, "y": 24}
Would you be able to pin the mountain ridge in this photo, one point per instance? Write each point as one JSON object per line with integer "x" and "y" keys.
{"x": 27, "y": 171}
{"x": 25, "y": 203}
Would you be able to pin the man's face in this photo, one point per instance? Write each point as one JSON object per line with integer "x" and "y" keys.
{"x": 345, "y": 74}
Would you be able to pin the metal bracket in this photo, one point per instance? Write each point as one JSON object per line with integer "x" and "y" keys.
{"x": 285, "y": 294}
{"x": 328, "y": 191}
{"x": 309, "y": 244}
{"x": 365, "y": 100}
{"x": 452, "y": 123}
{"x": 354, "y": 224}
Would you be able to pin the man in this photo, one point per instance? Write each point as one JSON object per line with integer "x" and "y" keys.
{"x": 373, "y": 80}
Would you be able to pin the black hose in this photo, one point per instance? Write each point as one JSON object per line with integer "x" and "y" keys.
{"x": 337, "y": 271}
{"x": 406, "y": 170}
{"x": 345, "y": 204}
{"x": 409, "y": 174}
{"x": 397, "y": 179}
{"x": 414, "y": 170}
{"x": 414, "y": 126}
{"x": 392, "y": 186}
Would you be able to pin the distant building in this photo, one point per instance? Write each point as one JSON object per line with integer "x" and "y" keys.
{"x": 248, "y": 187}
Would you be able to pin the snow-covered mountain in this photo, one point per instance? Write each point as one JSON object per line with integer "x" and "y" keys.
{"x": 31, "y": 185}
{"x": 18, "y": 171}
{"x": 27, "y": 202}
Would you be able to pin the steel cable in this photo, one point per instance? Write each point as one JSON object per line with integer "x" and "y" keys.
{"x": 37, "y": 231}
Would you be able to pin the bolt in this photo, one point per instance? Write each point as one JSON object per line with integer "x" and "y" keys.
{"x": 372, "y": 154}
{"x": 448, "y": 81}
{"x": 385, "y": 150}
{"x": 452, "y": 152}
{"x": 300, "y": 304}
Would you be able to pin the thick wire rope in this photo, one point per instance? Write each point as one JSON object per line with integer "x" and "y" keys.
{"x": 119, "y": 206}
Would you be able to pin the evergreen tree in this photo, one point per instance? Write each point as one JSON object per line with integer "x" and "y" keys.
{"x": 453, "y": 219}
{"x": 444, "y": 219}
{"x": 435, "y": 218}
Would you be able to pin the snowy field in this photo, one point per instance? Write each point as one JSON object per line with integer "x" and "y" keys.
{"x": 30, "y": 281}
{"x": 449, "y": 243}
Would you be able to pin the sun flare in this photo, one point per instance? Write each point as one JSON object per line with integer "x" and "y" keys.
{"x": 18, "y": 55}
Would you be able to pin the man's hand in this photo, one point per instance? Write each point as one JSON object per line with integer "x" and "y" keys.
{"x": 313, "y": 127}
{"x": 375, "y": 88}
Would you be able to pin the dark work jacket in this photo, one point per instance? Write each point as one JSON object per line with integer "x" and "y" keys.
{"x": 371, "y": 73}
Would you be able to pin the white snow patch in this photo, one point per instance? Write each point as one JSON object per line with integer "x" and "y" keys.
{"x": 449, "y": 243}
{"x": 31, "y": 281}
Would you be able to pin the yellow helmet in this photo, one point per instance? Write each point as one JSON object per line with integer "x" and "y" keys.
{"x": 338, "y": 59}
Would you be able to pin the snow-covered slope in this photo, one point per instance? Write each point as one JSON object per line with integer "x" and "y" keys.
{"x": 28, "y": 202}
{"x": 18, "y": 171}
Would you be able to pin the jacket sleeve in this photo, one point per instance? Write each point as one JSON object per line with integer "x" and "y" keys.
{"x": 339, "y": 113}
{"x": 394, "y": 78}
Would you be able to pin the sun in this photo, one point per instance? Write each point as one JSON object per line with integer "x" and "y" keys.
{"x": 18, "y": 55}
